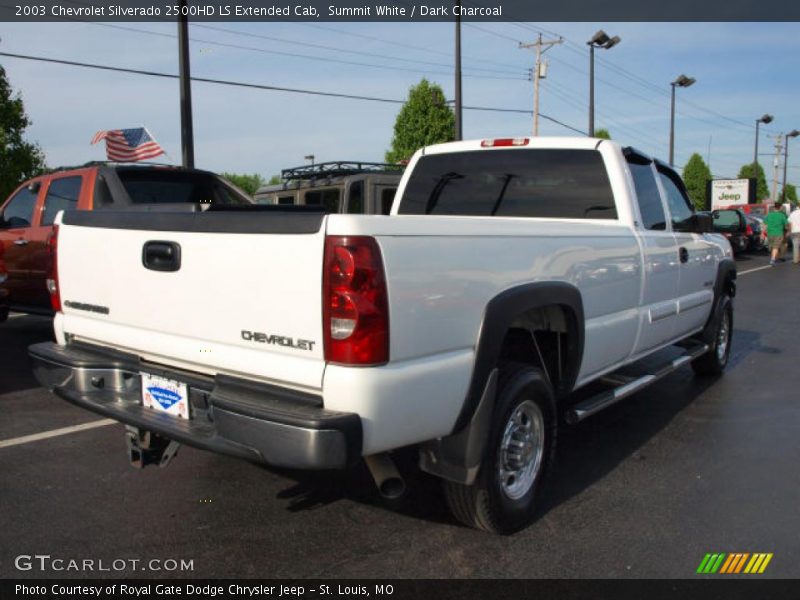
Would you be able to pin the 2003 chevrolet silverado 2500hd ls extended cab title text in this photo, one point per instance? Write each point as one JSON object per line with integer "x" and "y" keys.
{"x": 511, "y": 273}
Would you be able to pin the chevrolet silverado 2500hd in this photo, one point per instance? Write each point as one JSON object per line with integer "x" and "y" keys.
{"x": 510, "y": 274}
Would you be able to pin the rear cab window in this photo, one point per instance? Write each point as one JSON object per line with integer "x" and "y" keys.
{"x": 543, "y": 183}
{"x": 167, "y": 186}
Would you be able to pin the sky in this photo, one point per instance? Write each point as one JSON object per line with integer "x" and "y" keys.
{"x": 743, "y": 70}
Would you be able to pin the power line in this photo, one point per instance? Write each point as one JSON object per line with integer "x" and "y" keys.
{"x": 262, "y": 86}
{"x": 335, "y": 49}
{"x": 292, "y": 54}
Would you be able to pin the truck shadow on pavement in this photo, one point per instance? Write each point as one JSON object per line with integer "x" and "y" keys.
{"x": 586, "y": 452}
{"x": 16, "y": 335}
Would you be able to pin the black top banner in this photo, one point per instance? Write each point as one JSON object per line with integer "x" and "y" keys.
{"x": 401, "y": 10}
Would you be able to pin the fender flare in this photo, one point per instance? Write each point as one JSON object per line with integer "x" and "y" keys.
{"x": 500, "y": 313}
{"x": 457, "y": 457}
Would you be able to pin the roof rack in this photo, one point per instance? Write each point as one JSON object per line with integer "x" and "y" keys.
{"x": 337, "y": 169}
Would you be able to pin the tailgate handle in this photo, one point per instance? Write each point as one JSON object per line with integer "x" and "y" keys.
{"x": 161, "y": 256}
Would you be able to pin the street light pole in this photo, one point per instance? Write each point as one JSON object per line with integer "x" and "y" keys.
{"x": 684, "y": 82}
{"x": 764, "y": 119}
{"x": 792, "y": 133}
{"x": 599, "y": 40}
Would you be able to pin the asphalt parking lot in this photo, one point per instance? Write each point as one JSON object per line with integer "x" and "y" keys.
{"x": 645, "y": 489}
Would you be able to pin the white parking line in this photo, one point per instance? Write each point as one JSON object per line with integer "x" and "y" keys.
{"x": 25, "y": 439}
{"x": 754, "y": 269}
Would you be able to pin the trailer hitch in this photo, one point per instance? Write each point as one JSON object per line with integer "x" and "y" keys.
{"x": 148, "y": 448}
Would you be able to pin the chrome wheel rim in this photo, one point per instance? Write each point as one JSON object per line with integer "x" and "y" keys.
{"x": 723, "y": 337}
{"x": 521, "y": 450}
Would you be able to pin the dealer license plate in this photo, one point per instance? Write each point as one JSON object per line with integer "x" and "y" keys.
{"x": 165, "y": 395}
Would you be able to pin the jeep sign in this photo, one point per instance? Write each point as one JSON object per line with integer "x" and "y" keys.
{"x": 729, "y": 192}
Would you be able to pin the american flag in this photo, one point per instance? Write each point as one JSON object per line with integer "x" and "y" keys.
{"x": 128, "y": 145}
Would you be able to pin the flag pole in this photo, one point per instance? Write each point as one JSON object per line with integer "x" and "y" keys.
{"x": 155, "y": 140}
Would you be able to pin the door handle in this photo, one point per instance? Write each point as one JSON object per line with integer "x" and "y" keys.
{"x": 161, "y": 256}
{"x": 683, "y": 253}
{"x": 20, "y": 242}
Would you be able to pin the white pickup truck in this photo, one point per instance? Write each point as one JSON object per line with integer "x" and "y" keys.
{"x": 510, "y": 274}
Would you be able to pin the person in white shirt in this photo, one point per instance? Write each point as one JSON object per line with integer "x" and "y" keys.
{"x": 794, "y": 223}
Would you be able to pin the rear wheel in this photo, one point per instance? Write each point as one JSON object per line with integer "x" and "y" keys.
{"x": 715, "y": 360}
{"x": 519, "y": 452}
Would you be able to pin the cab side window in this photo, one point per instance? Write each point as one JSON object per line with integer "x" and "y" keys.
{"x": 19, "y": 210}
{"x": 647, "y": 194}
{"x": 61, "y": 195}
{"x": 680, "y": 207}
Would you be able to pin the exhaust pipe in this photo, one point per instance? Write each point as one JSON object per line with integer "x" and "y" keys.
{"x": 390, "y": 484}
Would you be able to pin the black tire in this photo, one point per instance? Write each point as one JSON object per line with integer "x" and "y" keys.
{"x": 719, "y": 338}
{"x": 492, "y": 503}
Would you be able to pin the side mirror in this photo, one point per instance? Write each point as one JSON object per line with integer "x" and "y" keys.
{"x": 704, "y": 223}
{"x": 715, "y": 214}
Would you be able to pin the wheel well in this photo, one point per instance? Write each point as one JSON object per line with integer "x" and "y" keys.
{"x": 545, "y": 337}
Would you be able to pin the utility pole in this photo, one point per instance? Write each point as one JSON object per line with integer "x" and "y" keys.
{"x": 458, "y": 107}
{"x": 187, "y": 130}
{"x": 541, "y": 47}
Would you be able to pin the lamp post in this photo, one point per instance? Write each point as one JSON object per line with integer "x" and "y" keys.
{"x": 310, "y": 157}
{"x": 599, "y": 40}
{"x": 792, "y": 133}
{"x": 684, "y": 82}
{"x": 765, "y": 119}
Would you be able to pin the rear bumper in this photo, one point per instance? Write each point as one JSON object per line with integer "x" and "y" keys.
{"x": 260, "y": 422}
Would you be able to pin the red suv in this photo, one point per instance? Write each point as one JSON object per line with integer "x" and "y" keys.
{"x": 26, "y": 218}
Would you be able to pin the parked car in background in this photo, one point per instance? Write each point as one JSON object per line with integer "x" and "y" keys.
{"x": 756, "y": 241}
{"x": 26, "y": 217}
{"x": 3, "y": 291}
{"x": 733, "y": 225}
{"x": 339, "y": 187}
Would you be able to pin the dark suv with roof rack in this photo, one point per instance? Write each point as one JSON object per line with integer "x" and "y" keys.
{"x": 28, "y": 215}
{"x": 348, "y": 187}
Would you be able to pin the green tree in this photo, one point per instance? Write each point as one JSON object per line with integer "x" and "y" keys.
{"x": 424, "y": 119}
{"x": 696, "y": 176}
{"x": 274, "y": 180}
{"x": 603, "y": 134}
{"x": 19, "y": 160}
{"x": 247, "y": 183}
{"x": 789, "y": 194}
{"x": 746, "y": 172}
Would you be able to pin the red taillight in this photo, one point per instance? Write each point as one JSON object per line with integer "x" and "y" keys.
{"x": 52, "y": 275}
{"x": 504, "y": 142}
{"x": 355, "y": 309}
{"x": 749, "y": 230}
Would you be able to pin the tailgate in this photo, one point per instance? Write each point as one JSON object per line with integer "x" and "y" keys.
{"x": 245, "y": 298}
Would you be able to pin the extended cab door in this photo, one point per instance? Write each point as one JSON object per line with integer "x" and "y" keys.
{"x": 659, "y": 307}
{"x": 16, "y": 233}
{"x": 61, "y": 193}
{"x": 697, "y": 264}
